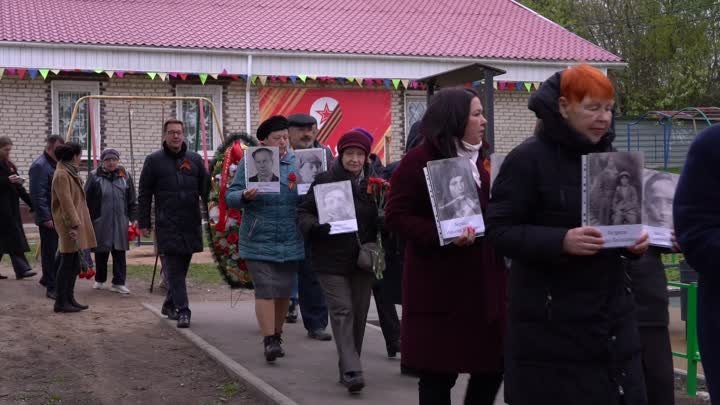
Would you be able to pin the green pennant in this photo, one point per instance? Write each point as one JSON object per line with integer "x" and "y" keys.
{"x": 528, "y": 86}
{"x": 253, "y": 79}
{"x": 351, "y": 80}
{"x": 44, "y": 73}
{"x": 98, "y": 71}
{"x": 203, "y": 77}
{"x": 152, "y": 75}
{"x": 302, "y": 78}
{"x": 396, "y": 83}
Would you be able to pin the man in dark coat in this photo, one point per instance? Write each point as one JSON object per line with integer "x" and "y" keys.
{"x": 176, "y": 178}
{"x": 302, "y": 132}
{"x": 572, "y": 336}
{"x": 12, "y": 238}
{"x": 41, "y": 175}
{"x": 696, "y": 212}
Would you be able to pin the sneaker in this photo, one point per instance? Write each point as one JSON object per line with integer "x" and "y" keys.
{"x": 99, "y": 286}
{"x": 292, "y": 315}
{"x": 183, "y": 320}
{"x": 170, "y": 312}
{"x": 353, "y": 381}
{"x": 279, "y": 341}
{"x": 319, "y": 334}
{"x": 272, "y": 348}
{"x": 120, "y": 289}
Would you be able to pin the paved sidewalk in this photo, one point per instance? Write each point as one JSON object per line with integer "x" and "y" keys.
{"x": 308, "y": 374}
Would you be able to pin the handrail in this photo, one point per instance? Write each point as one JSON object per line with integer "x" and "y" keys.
{"x": 693, "y": 354}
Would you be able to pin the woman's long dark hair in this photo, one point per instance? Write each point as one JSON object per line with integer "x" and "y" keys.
{"x": 446, "y": 117}
{"x": 66, "y": 152}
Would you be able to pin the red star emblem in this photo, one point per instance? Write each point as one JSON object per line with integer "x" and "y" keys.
{"x": 325, "y": 113}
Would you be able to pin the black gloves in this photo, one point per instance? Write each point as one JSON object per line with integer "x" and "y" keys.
{"x": 320, "y": 230}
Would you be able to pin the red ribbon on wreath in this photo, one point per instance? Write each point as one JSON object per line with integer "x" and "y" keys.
{"x": 233, "y": 154}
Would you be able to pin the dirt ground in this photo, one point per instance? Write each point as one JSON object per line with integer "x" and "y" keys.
{"x": 114, "y": 353}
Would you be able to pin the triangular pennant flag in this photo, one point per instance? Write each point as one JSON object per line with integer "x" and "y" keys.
{"x": 313, "y": 77}
{"x": 244, "y": 77}
{"x": 283, "y": 79}
{"x": 263, "y": 79}
{"x": 224, "y": 72}
{"x": 387, "y": 83}
{"x": 56, "y": 71}
{"x": 302, "y": 78}
{"x": 253, "y": 79}
{"x": 495, "y": 85}
{"x": 98, "y": 71}
{"x": 1, "y": 73}
{"x": 234, "y": 77}
{"x": 183, "y": 76}
{"x": 33, "y": 73}
{"x": 396, "y": 83}
{"x": 359, "y": 81}
{"x": 162, "y": 76}
{"x": 351, "y": 80}
{"x": 110, "y": 73}
{"x": 152, "y": 75}
{"x": 203, "y": 77}
{"x": 44, "y": 73}
{"x": 173, "y": 74}
{"x": 528, "y": 86}
{"x": 293, "y": 79}
{"x": 11, "y": 71}
{"x": 536, "y": 85}
{"x": 120, "y": 74}
{"x": 405, "y": 83}
{"x": 214, "y": 75}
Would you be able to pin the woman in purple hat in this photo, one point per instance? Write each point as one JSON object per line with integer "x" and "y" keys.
{"x": 112, "y": 203}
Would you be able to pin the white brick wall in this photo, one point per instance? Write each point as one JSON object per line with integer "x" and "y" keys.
{"x": 514, "y": 122}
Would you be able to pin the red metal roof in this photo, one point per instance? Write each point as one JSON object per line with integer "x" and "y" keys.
{"x": 493, "y": 29}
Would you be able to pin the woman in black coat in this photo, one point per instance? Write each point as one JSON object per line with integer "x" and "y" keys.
{"x": 572, "y": 336}
{"x": 347, "y": 288}
{"x": 12, "y": 237}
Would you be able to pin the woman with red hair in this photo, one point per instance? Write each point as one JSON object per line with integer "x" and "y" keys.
{"x": 572, "y": 335}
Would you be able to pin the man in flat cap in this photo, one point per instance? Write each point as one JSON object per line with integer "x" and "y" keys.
{"x": 303, "y": 135}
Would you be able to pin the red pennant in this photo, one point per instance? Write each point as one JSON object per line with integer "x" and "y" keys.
{"x": 234, "y": 77}
{"x": 21, "y": 73}
{"x": 283, "y": 79}
{"x": 10, "y": 71}
{"x": 183, "y": 76}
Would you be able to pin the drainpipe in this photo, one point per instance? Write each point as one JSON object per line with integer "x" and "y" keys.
{"x": 248, "y": 119}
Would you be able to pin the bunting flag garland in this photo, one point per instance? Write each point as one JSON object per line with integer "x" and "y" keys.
{"x": 263, "y": 79}
{"x": 56, "y": 71}
{"x": 253, "y": 79}
{"x": 110, "y": 73}
{"x": 203, "y": 77}
{"x": 351, "y": 80}
{"x": 536, "y": 85}
{"x": 21, "y": 73}
{"x": 1, "y": 72}
{"x": 405, "y": 83}
{"x": 183, "y": 76}
{"x": 162, "y": 76}
{"x": 152, "y": 75}
{"x": 120, "y": 74}
{"x": 495, "y": 85}
{"x": 43, "y": 72}
{"x": 396, "y": 83}
{"x": 313, "y": 77}
{"x": 33, "y": 73}
{"x": 302, "y": 78}
{"x": 528, "y": 86}
{"x": 293, "y": 79}
{"x": 214, "y": 75}
{"x": 173, "y": 75}
{"x": 98, "y": 71}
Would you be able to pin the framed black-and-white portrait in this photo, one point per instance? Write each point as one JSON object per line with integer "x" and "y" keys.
{"x": 454, "y": 197}
{"x": 309, "y": 163}
{"x": 612, "y": 196}
{"x": 262, "y": 169}
{"x": 658, "y": 195}
{"x": 336, "y": 207}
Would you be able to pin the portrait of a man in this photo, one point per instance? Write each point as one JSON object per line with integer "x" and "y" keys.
{"x": 264, "y": 161}
{"x": 334, "y": 202}
{"x": 309, "y": 164}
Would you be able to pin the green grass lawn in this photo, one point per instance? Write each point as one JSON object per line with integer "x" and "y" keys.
{"x": 199, "y": 273}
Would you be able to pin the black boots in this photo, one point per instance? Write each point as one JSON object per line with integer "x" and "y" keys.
{"x": 273, "y": 350}
{"x": 353, "y": 381}
{"x": 169, "y": 311}
{"x": 71, "y": 295}
{"x": 393, "y": 348}
{"x": 65, "y": 284}
{"x": 183, "y": 320}
{"x": 292, "y": 315}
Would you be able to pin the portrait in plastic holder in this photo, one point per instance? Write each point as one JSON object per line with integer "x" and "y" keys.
{"x": 262, "y": 169}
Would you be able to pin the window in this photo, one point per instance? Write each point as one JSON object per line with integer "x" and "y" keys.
{"x": 415, "y": 107}
{"x": 64, "y": 95}
{"x": 188, "y": 112}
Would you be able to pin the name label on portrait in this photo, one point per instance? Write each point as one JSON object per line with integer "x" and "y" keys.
{"x": 265, "y": 186}
{"x": 452, "y": 228}
{"x": 659, "y": 236}
{"x": 620, "y": 235}
{"x": 339, "y": 227}
{"x": 303, "y": 188}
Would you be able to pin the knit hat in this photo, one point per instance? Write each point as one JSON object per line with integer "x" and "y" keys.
{"x": 355, "y": 139}
{"x": 109, "y": 153}
{"x": 364, "y": 132}
{"x": 270, "y": 125}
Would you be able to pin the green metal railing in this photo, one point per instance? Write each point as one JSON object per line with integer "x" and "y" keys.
{"x": 693, "y": 354}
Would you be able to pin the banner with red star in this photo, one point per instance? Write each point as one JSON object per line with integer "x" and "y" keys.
{"x": 336, "y": 111}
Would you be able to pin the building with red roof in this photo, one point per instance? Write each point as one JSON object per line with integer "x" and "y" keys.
{"x": 258, "y": 57}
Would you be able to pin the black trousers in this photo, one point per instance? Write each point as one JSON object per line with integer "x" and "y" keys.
{"x": 709, "y": 332}
{"x": 387, "y": 314}
{"x": 312, "y": 299}
{"x": 176, "y": 268}
{"x": 19, "y": 263}
{"x": 49, "y": 260}
{"x": 119, "y": 266}
{"x": 66, "y": 277}
{"x": 434, "y": 388}
{"x": 658, "y": 365}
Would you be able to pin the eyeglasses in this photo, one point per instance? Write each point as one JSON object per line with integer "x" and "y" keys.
{"x": 174, "y": 132}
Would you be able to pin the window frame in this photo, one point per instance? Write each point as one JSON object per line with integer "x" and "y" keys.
{"x": 92, "y": 87}
{"x": 216, "y": 96}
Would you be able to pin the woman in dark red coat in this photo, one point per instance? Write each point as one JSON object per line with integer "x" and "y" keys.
{"x": 453, "y": 296}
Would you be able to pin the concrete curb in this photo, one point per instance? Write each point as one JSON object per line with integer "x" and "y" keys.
{"x": 259, "y": 387}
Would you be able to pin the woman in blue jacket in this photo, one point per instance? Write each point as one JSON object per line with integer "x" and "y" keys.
{"x": 270, "y": 242}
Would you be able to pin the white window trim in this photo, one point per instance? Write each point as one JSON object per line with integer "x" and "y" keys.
{"x": 80, "y": 86}
{"x": 216, "y": 91}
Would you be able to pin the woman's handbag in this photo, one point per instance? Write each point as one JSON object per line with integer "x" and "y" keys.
{"x": 371, "y": 257}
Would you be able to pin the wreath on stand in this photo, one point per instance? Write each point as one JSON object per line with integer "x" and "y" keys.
{"x": 223, "y": 223}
